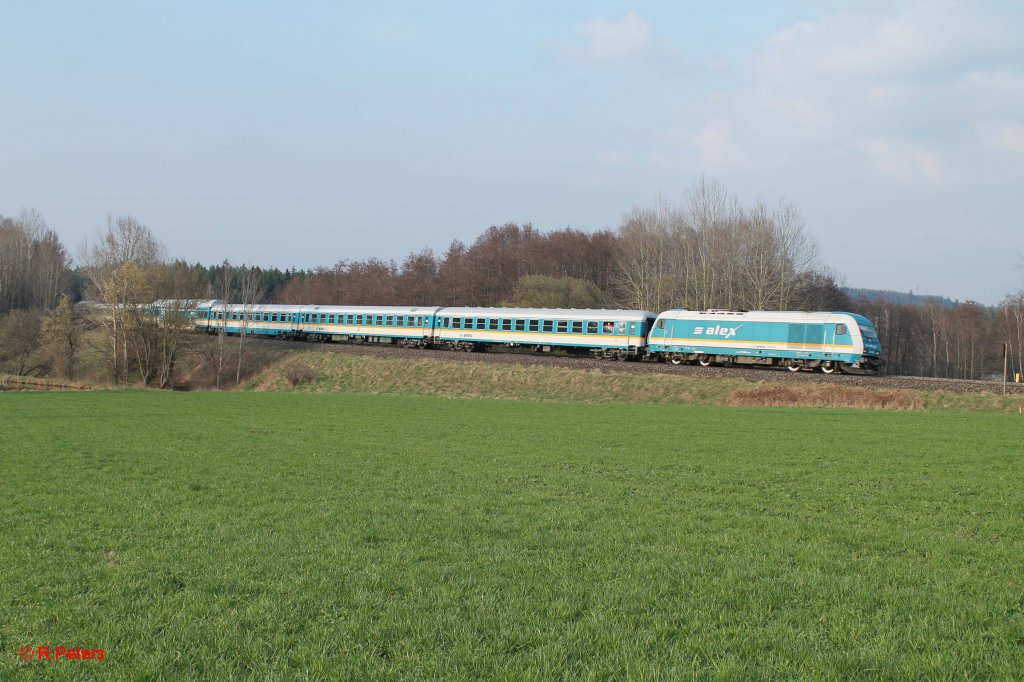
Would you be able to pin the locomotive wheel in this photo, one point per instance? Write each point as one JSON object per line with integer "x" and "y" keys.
{"x": 827, "y": 368}
{"x": 676, "y": 359}
{"x": 794, "y": 367}
{"x": 704, "y": 361}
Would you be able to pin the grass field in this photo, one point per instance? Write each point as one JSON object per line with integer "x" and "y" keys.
{"x": 295, "y": 536}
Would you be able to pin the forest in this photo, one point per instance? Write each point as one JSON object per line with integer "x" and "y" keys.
{"x": 707, "y": 251}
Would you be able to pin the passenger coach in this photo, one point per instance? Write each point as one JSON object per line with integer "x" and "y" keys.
{"x": 410, "y": 326}
{"x": 614, "y": 334}
{"x": 796, "y": 340}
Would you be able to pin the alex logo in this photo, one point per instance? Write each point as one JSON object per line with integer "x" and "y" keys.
{"x": 717, "y": 330}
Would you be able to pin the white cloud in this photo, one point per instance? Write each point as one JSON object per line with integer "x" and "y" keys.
{"x": 1004, "y": 81}
{"x": 616, "y": 157}
{"x": 1002, "y": 136}
{"x": 612, "y": 40}
{"x": 905, "y": 161}
{"x": 849, "y": 87}
{"x": 716, "y": 146}
{"x": 849, "y": 46}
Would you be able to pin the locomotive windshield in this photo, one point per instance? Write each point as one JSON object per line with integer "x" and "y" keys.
{"x": 868, "y": 332}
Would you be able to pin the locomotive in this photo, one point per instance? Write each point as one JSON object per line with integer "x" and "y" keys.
{"x": 824, "y": 341}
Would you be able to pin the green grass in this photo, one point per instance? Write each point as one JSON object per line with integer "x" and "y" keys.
{"x": 295, "y": 536}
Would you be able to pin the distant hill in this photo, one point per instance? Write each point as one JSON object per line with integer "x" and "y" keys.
{"x": 898, "y": 297}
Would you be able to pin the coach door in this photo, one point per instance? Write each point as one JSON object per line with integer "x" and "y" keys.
{"x": 631, "y": 339}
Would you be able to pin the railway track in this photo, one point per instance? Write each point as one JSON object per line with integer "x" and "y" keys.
{"x": 585, "y": 363}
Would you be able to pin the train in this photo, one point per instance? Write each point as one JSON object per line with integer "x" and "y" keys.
{"x": 795, "y": 340}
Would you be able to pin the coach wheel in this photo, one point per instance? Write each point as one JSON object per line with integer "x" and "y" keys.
{"x": 828, "y": 368}
{"x": 704, "y": 361}
{"x": 793, "y": 366}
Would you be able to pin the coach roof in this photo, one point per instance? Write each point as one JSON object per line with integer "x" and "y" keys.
{"x": 550, "y": 313}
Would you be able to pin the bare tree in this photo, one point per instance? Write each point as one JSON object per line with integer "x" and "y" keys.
{"x": 19, "y": 332}
{"x": 250, "y": 292}
{"x": 33, "y": 263}
{"x": 222, "y": 330}
{"x": 59, "y": 337}
{"x": 116, "y": 264}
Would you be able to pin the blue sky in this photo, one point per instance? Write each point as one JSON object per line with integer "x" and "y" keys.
{"x": 302, "y": 133}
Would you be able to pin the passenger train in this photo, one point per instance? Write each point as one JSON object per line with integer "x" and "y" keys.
{"x": 824, "y": 341}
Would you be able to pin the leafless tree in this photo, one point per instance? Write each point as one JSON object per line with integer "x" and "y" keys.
{"x": 116, "y": 264}
{"x": 60, "y": 336}
{"x": 250, "y": 292}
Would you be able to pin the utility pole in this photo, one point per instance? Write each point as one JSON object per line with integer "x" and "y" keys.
{"x": 1006, "y": 355}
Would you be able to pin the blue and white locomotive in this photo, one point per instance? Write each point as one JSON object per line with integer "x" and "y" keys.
{"x": 795, "y": 340}
{"x": 825, "y": 341}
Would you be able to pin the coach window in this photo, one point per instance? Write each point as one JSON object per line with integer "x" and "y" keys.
{"x": 534, "y": 325}
{"x": 591, "y": 327}
{"x": 577, "y": 327}
{"x": 493, "y": 325}
{"x": 389, "y": 320}
{"x": 841, "y": 330}
{"x": 547, "y": 325}
{"x": 520, "y": 325}
{"x": 563, "y": 326}
{"x": 506, "y": 325}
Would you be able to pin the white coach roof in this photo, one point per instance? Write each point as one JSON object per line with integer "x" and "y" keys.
{"x": 550, "y": 313}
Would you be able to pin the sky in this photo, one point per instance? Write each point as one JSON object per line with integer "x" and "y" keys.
{"x": 298, "y": 134}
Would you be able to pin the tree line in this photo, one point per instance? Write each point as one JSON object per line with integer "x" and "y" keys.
{"x": 705, "y": 251}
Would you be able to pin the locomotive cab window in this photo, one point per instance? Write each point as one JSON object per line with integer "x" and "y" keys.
{"x": 840, "y": 329}
{"x": 661, "y": 324}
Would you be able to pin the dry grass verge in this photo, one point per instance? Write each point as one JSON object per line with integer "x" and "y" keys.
{"x": 824, "y": 395}
{"x": 10, "y": 382}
